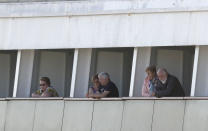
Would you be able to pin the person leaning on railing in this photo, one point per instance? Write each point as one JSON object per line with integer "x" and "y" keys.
{"x": 168, "y": 85}
{"x": 95, "y": 88}
{"x": 45, "y": 89}
{"x": 107, "y": 88}
{"x": 148, "y": 86}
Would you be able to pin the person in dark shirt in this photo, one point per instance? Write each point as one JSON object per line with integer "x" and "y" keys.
{"x": 107, "y": 87}
{"x": 168, "y": 85}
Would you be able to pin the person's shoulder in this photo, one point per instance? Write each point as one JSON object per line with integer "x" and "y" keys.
{"x": 51, "y": 89}
{"x": 172, "y": 77}
{"x": 112, "y": 84}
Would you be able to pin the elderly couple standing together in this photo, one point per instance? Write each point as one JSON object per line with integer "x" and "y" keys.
{"x": 102, "y": 87}
{"x": 161, "y": 84}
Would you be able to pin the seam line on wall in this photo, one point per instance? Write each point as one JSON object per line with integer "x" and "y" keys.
{"x": 63, "y": 116}
{"x": 93, "y": 106}
{"x": 153, "y": 115}
{"x": 122, "y": 115}
{"x": 184, "y": 112}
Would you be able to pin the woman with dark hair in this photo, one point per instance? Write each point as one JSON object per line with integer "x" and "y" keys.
{"x": 45, "y": 89}
{"x": 148, "y": 86}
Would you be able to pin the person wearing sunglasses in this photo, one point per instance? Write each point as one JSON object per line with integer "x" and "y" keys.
{"x": 45, "y": 89}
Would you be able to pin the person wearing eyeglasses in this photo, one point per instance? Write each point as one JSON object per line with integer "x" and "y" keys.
{"x": 45, "y": 89}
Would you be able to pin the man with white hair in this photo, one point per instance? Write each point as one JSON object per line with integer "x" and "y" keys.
{"x": 107, "y": 88}
{"x": 168, "y": 85}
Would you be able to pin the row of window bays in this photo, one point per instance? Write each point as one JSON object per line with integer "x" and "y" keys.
{"x": 70, "y": 70}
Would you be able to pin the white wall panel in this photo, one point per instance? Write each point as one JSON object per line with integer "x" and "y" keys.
{"x": 107, "y": 116}
{"x": 120, "y": 30}
{"x": 48, "y": 116}
{"x": 137, "y": 115}
{"x": 20, "y": 116}
{"x": 196, "y": 115}
{"x": 3, "y": 110}
{"x": 38, "y": 32}
{"x": 77, "y": 116}
{"x": 168, "y": 115}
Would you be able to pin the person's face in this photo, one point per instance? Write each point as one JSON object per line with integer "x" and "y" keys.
{"x": 103, "y": 81}
{"x": 96, "y": 83}
{"x": 150, "y": 75}
{"x": 161, "y": 76}
{"x": 43, "y": 85}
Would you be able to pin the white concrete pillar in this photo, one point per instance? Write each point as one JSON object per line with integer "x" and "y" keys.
{"x": 81, "y": 71}
{"x": 133, "y": 71}
{"x": 23, "y": 74}
{"x": 142, "y": 61}
{"x": 195, "y": 68}
{"x": 201, "y": 84}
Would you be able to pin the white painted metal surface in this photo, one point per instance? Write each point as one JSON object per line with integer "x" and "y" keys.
{"x": 195, "y": 68}
{"x": 17, "y": 73}
{"x": 74, "y": 71}
{"x": 133, "y": 72}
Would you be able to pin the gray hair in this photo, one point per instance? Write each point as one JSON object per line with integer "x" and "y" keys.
{"x": 162, "y": 70}
{"x": 105, "y": 75}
